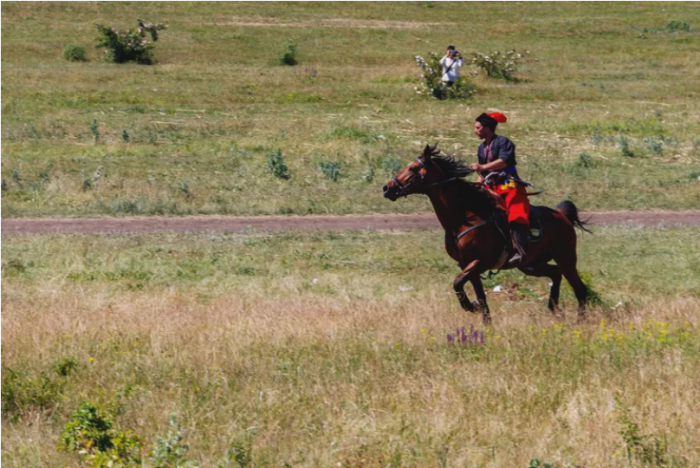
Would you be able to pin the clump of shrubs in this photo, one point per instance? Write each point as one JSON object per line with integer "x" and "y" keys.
{"x": 331, "y": 170}
{"x": 289, "y": 57}
{"x": 90, "y": 431}
{"x": 624, "y": 146}
{"x": 432, "y": 85}
{"x": 276, "y": 164}
{"x": 679, "y": 26}
{"x": 74, "y": 53}
{"x": 131, "y": 45}
{"x": 501, "y": 65}
{"x": 584, "y": 160}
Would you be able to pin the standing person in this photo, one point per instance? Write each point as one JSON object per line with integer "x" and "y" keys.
{"x": 497, "y": 154}
{"x": 450, "y": 65}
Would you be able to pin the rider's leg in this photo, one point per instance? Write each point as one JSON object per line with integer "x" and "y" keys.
{"x": 520, "y": 237}
{"x": 519, "y": 220}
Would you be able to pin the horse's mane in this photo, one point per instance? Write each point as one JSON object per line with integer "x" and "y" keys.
{"x": 471, "y": 194}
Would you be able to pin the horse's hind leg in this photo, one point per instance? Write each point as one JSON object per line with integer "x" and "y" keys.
{"x": 579, "y": 288}
{"x": 567, "y": 265}
{"x": 481, "y": 299}
{"x": 552, "y": 272}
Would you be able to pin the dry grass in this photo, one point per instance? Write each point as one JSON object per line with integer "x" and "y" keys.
{"x": 350, "y": 369}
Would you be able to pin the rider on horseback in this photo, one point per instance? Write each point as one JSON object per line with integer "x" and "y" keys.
{"x": 497, "y": 155}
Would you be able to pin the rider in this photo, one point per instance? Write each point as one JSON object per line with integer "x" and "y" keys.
{"x": 497, "y": 154}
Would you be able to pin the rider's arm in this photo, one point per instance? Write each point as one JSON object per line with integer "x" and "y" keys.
{"x": 497, "y": 165}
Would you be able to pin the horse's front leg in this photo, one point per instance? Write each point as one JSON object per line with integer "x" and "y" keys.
{"x": 481, "y": 303}
{"x": 459, "y": 283}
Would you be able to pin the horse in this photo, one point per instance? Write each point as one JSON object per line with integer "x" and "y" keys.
{"x": 476, "y": 232}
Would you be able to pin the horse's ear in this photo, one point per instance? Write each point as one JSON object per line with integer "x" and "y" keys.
{"x": 434, "y": 150}
{"x": 427, "y": 152}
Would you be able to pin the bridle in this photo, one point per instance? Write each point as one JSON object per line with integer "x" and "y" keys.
{"x": 402, "y": 188}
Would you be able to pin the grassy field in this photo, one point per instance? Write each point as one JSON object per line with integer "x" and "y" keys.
{"x": 202, "y": 121}
{"x": 319, "y": 349}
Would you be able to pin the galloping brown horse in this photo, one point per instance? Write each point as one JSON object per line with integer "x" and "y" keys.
{"x": 476, "y": 234}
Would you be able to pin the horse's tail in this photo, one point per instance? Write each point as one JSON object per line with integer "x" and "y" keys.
{"x": 569, "y": 210}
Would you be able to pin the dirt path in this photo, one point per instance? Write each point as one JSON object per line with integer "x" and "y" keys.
{"x": 286, "y": 223}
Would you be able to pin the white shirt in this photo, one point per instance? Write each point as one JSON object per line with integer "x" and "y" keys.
{"x": 453, "y": 65}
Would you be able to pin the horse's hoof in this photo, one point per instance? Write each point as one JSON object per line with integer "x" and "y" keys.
{"x": 476, "y": 306}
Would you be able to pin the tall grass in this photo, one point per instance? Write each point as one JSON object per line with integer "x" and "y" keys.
{"x": 323, "y": 348}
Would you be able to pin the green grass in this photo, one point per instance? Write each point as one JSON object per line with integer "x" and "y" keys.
{"x": 314, "y": 349}
{"x": 215, "y": 104}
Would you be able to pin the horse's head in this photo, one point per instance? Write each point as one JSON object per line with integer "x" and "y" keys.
{"x": 415, "y": 177}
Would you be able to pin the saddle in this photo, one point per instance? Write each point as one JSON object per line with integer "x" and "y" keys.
{"x": 536, "y": 231}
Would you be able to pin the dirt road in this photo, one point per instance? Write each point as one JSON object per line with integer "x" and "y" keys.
{"x": 286, "y": 223}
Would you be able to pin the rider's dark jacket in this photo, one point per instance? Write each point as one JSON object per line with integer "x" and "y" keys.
{"x": 500, "y": 148}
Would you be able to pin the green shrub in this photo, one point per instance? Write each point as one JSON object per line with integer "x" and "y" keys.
{"x": 170, "y": 451}
{"x": 331, "y": 170}
{"x": 624, "y": 146}
{"x": 679, "y": 26}
{"x": 289, "y": 57}
{"x": 65, "y": 366}
{"x": 130, "y": 45}
{"x": 432, "y": 85}
{"x": 584, "y": 160}
{"x": 655, "y": 145}
{"x": 87, "y": 429}
{"x": 276, "y": 164}
{"x": 95, "y": 130}
{"x": 74, "y": 53}
{"x": 16, "y": 178}
{"x": 501, "y": 65}
{"x": 185, "y": 189}
{"x": 21, "y": 392}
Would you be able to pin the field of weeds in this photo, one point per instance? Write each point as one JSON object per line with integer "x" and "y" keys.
{"x": 605, "y": 109}
{"x": 328, "y": 349}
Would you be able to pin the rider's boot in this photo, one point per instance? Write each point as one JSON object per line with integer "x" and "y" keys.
{"x": 519, "y": 242}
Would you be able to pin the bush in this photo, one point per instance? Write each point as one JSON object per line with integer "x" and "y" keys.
{"x": 87, "y": 429}
{"x": 433, "y": 86}
{"x": 501, "y": 65}
{"x": 170, "y": 451}
{"x": 679, "y": 26}
{"x": 74, "y": 53}
{"x": 276, "y": 164}
{"x": 289, "y": 57}
{"x": 21, "y": 392}
{"x": 584, "y": 160}
{"x": 624, "y": 145}
{"x": 89, "y": 432}
{"x": 130, "y": 45}
{"x": 331, "y": 170}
